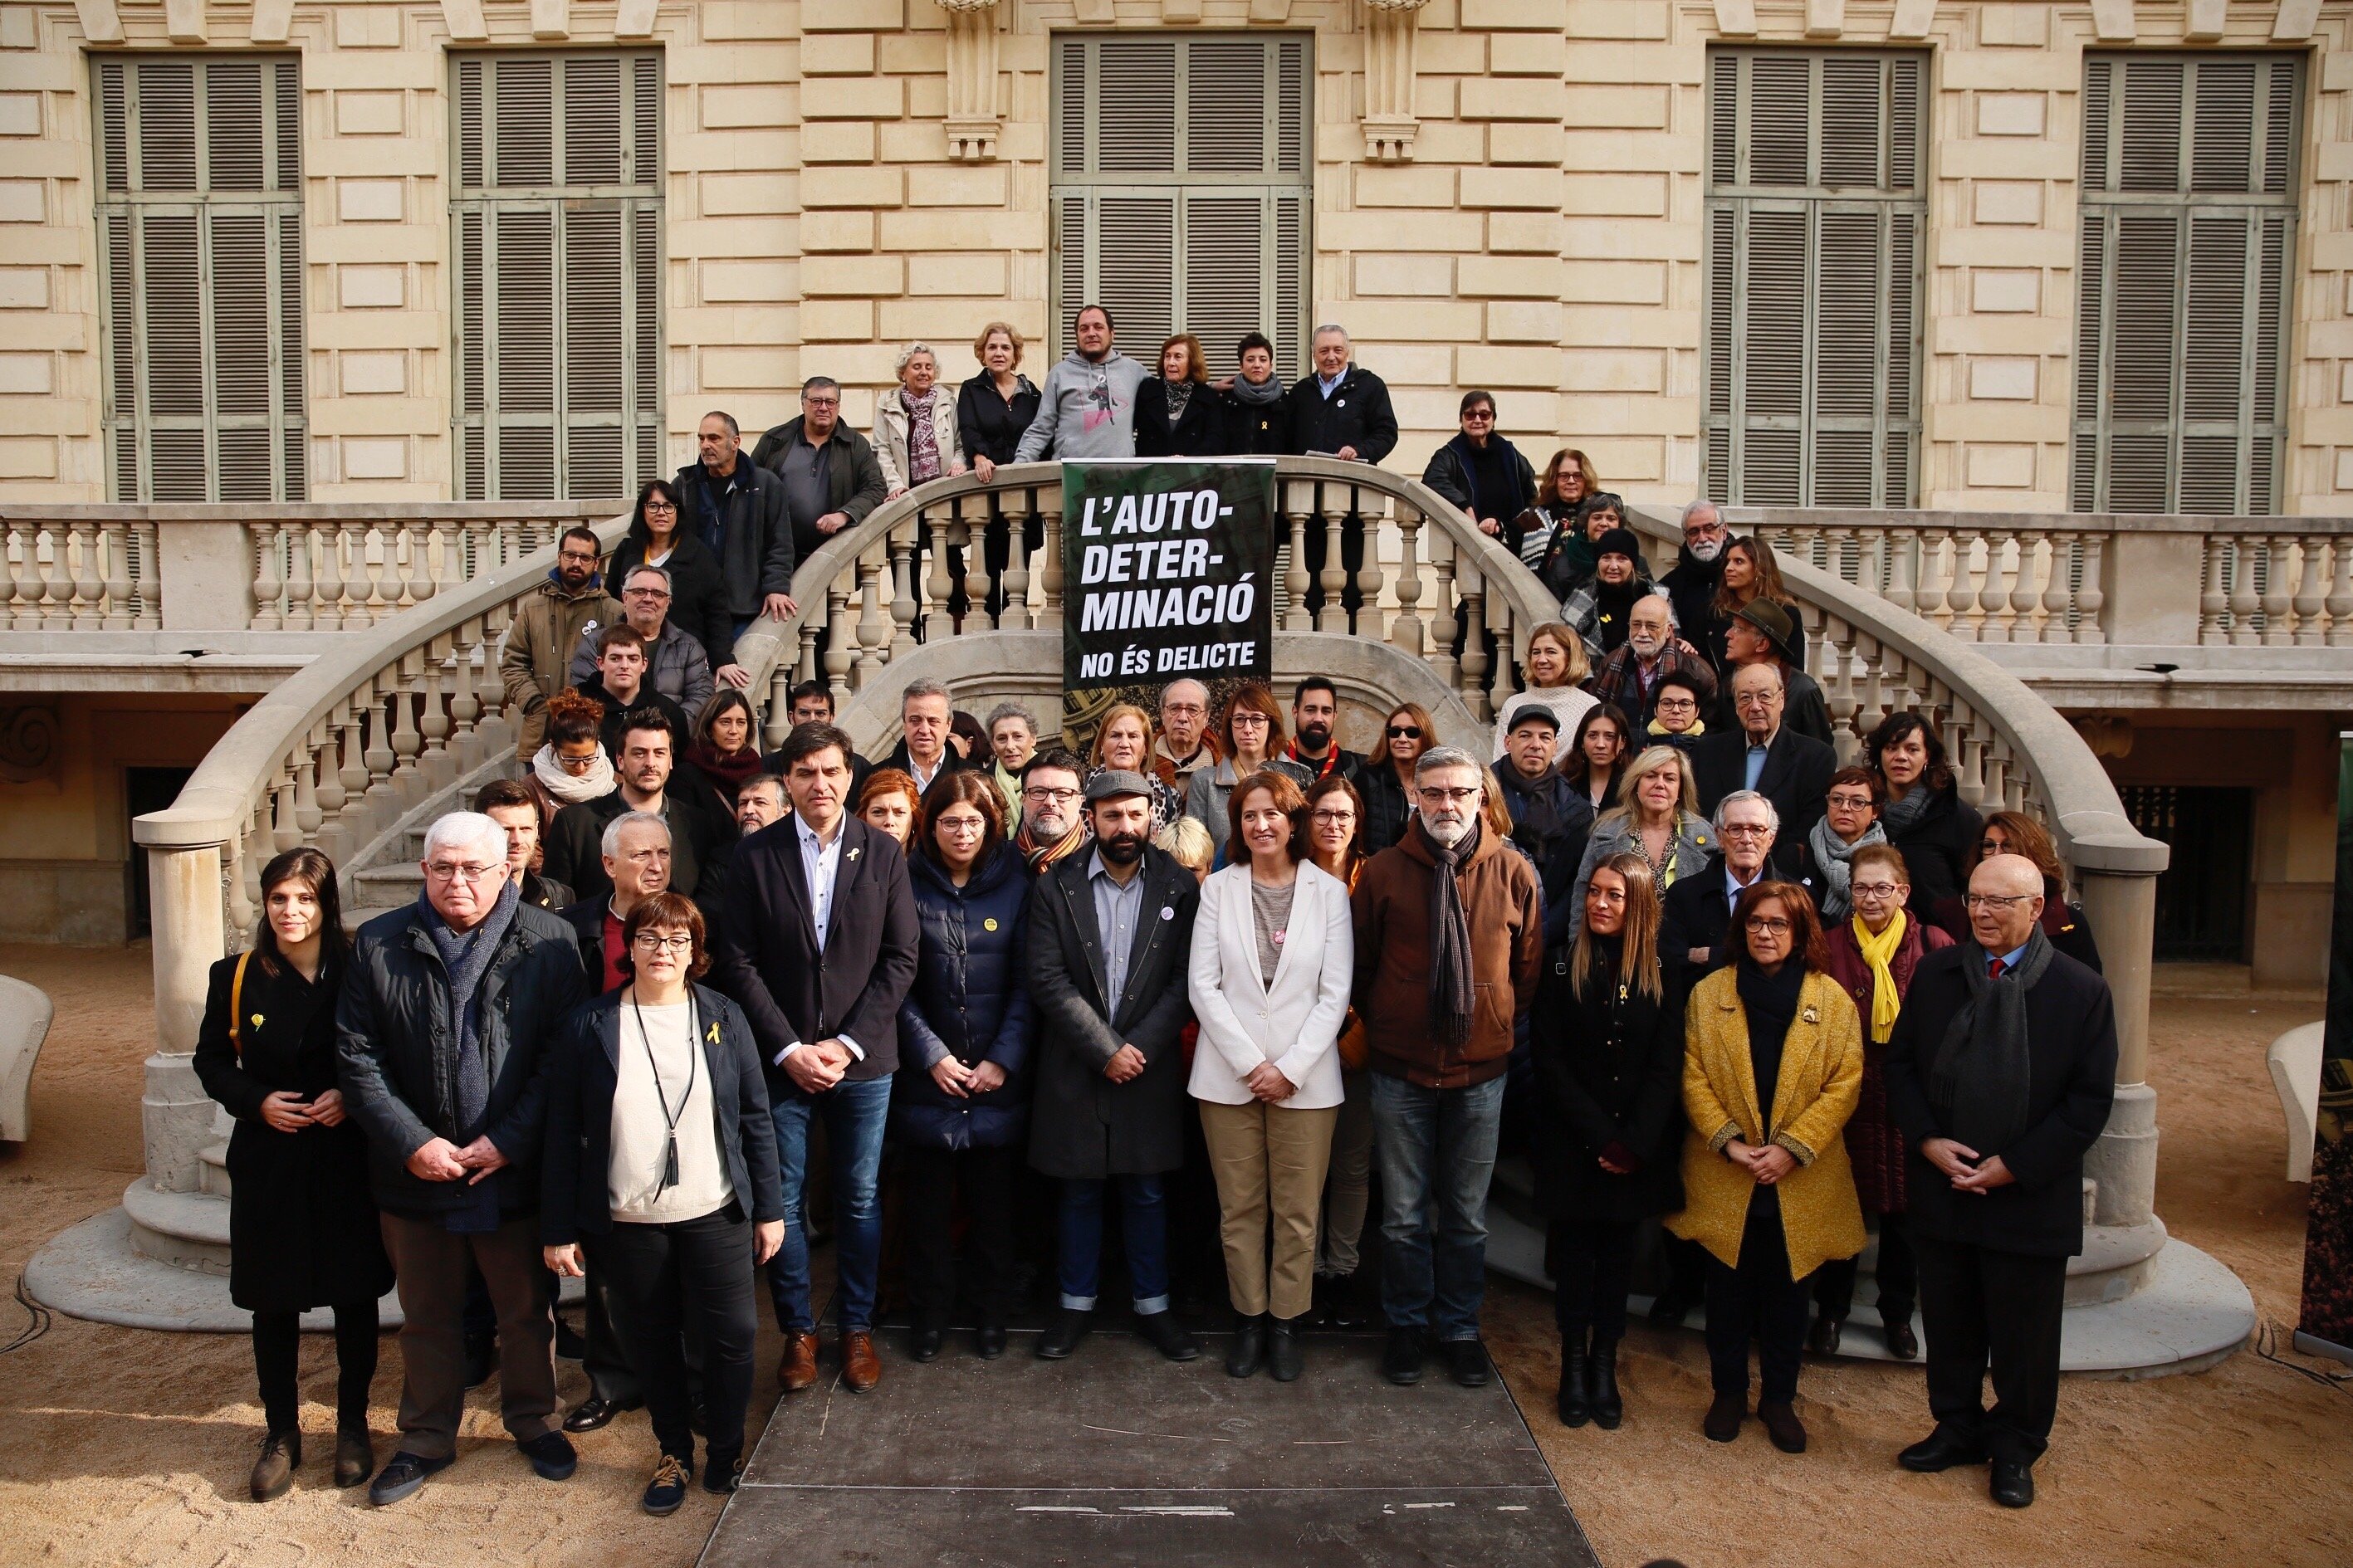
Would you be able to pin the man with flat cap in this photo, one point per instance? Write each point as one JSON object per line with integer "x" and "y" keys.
{"x": 1111, "y": 932}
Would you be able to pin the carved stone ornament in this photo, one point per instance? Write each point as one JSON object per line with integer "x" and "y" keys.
{"x": 974, "y": 118}
{"x": 1391, "y": 28}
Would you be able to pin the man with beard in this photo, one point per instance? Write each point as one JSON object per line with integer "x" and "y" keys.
{"x": 642, "y": 772}
{"x": 1087, "y": 407}
{"x": 1449, "y": 946}
{"x": 1184, "y": 746}
{"x": 1598, "y": 612}
{"x": 1691, "y": 585}
{"x": 1630, "y": 677}
{"x": 1314, "y": 709}
{"x": 1109, "y": 940}
{"x": 548, "y": 628}
{"x": 1052, "y": 827}
{"x": 1551, "y": 818}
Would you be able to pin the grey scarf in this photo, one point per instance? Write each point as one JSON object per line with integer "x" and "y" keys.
{"x": 1452, "y": 992}
{"x": 1902, "y": 816}
{"x": 1259, "y": 396}
{"x": 1982, "y": 1072}
{"x": 1832, "y": 854}
{"x": 466, "y": 956}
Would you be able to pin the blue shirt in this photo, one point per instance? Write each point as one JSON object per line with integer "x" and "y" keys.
{"x": 1327, "y": 386}
{"x": 2010, "y": 960}
{"x": 1756, "y": 764}
{"x": 1117, "y": 911}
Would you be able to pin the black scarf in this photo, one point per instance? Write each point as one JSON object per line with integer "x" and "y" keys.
{"x": 1452, "y": 992}
{"x": 1770, "y": 1002}
{"x": 1981, "y": 1079}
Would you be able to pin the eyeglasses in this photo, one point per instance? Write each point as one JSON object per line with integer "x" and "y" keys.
{"x": 809, "y": 402}
{"x": 1768, "y": 926}
{"x": 1476, "y": 416}
{"x": 659, "y": 506}
{"x": 647, "y": 593}
{"x": 1744, "y": 830}
{"x": 576, "y": 764}
{"x": 1182, "y": 708}
{"x": 1874, "y": 890}
{"x": 1849, "y": 802}
{"x": 577, "y": 557}
{"x": 1990, "y": 901}
{"x": 444, "y": 871}
{"x": 1330, "y": 818}
{"x": 1044, "y": 796}
{"x": 677, "y": 941}
{"x": 1247, "y": 720}
{"x": 1679, "y": 704}
{"x": 1405, "y": 732}
{"x": 1449, "y": 796}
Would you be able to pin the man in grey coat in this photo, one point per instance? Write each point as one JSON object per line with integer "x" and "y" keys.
{"x": 1109, "y": 934}
{"x": 1087, "y": 407}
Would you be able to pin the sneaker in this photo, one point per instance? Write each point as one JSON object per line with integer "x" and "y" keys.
{"x": 1466, "y": 1360}
{"x": 720, "y": 1475}
{"x": 402, "y": 1475}
{"x": 1166, "y": 1336}
{"x": 1401, "y": 1363}
{"x": 552, "y": 1454}
{"x": 667, "y": 1490}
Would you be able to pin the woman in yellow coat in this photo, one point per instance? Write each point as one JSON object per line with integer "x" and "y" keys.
{"x": 1772, "y": 1067}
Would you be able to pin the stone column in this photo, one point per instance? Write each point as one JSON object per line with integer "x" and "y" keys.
{"x": 190, "y": 936}
{"x": 2115, "y": 870}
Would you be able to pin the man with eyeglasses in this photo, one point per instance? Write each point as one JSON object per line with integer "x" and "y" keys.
{"x": 1698, "y": 570}
{"x": 2001, "y": 1072}
{"x": 831, "y": 476}
{"x": 1449, "y": 946}
{"x": 642, "y": 767}
{"x": 1184, "y": 746}
{"x": 675, "y": 664}
{"x": 1695, "y": 932}
{"x": 737, "y": 509}
{"x": 1651, "y": 654}
{"x": 445, "y": 1009}
{"x": 1052, "y": 829}
{"x": 1767, "y": 756}
{"x": 547, "y": 632}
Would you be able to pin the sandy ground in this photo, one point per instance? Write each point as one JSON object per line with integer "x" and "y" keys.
{"x": 125, "y": 1448}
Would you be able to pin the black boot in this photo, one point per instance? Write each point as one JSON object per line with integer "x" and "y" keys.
{"x": 1249, "y": 1349}
{"x": 1608, "y": 1408}
{"x": 1574, "y": 1402}
{"x": 1283, "y": 1361}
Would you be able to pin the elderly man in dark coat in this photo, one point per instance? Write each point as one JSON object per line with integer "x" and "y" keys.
{"x": 2001, "y": 1070}
{"x": 1111, "y": 932}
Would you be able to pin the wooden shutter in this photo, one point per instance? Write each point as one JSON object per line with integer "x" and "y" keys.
{"x": 200, "y": 255}
{"x": 2187, "y": 233}
{"x": 1812, "y": 221}
{"x": 557, "y": 231}
{"x": 1182, "y": 189}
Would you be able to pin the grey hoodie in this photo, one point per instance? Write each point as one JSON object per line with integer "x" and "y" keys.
{"x": 1085, "y": 410}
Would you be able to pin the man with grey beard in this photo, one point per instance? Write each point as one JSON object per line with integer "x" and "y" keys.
{"x": 1630, "y": 675}
{"x": 1449, "y": 944}
{"x": 1692, "y": 584}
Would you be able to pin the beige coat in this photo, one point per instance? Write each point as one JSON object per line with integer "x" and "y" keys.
{"x": 891, "y": 434}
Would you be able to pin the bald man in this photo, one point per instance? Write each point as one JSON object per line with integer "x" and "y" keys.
{"x": 2001, "y": 1073}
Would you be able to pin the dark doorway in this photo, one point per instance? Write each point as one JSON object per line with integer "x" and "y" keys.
{"x": 2201, "y": 897}
{"x": 144, "y": 790}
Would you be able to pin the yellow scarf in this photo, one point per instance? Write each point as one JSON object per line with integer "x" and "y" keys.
{"x": 1879, "y": 951}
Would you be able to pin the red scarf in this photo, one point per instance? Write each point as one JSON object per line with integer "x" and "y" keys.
{"x": 1321, "y": 769}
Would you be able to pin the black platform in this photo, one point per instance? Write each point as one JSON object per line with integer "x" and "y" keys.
{"x": 1119, "y": 1457}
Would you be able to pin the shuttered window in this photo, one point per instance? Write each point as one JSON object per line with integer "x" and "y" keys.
{"x": 2181, "y": 323}
{"x": 200, "y": 271}
{"x": 1814, "y": 213}
{"x": 1183, "y": 179}
{"x": 557, "y": 225}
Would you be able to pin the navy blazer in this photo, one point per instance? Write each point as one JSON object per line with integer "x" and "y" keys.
{"x": 1796, "y": 778}
{"x": 583, "y": 1069}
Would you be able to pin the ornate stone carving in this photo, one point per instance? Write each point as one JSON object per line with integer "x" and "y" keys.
{"x": 974, "y": 118}
{"x": 1391, "y": 28}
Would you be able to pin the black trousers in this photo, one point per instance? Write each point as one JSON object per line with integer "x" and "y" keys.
{"x": 277, "y": 1357}
{"x": 1897, "y": 1271}
{"x": 1758, "y": 1298}
{"x": 607, "y": 1362}
{"x": 1983, "y": 1308}
{"x": 935, "y": 1177}
{"x": 1593, "y": 1267}
{"x": 660, "y": 1277}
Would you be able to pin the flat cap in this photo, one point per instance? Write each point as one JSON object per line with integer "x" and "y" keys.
{"x": 1116, "y": 783}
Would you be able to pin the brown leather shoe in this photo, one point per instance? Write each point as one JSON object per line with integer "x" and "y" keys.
{"x": 273, "y": 1471}
{"x": 355, "y": 1458}
{"x": 861, "y": 1368}
{"x": 1782, "y": 1424}
{"x": 1724, "y": 1415}
{"x": 799, "y": 1368}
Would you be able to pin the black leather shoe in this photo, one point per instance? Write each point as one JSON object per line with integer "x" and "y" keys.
{"x": 1823, "y": 1339}
{"x": 988, "y": 1340}
{"x": 402, "y": 1475}
{"x": 1063, "y": 1334}
{"x": 1668, "y": 1310}
{"x": 1725, "y": 1413}
{"x": 1601, "y": 1376}
{"x": 552, "y": 1454}
{"x": 1467, "y": 1361}
{"x": 1162, "y": 1331}
{"x": 1902, "y": 1342}
{"x": 595, "y": 1413}
{"x": 1941, "y": 1450}
{"x": 1248, "y": 1349}
{"x": 1782, "y": 1424}
{"x": 2013, "y": 1484}
{"x": 926, "y": 1343}
{"x": 1284, "y": 1360}
{"x": 1401, "y": 1363}
{"x": 273, "y": 1471}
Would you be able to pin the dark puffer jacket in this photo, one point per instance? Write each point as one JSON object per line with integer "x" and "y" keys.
{"x": 968, "y": 1002}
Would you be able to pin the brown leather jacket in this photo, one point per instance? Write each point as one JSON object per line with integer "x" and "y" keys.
{"x": 1392, "y": 989}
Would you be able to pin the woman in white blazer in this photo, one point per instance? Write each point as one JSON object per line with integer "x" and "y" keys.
{"x": 1274, "y": 956}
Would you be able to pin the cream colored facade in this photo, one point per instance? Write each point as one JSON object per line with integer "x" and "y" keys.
{"x": 844, "y": 175}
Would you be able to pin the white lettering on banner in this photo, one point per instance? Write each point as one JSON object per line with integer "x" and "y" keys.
{"x": 1147, "y": 609}
{"x": 1147, "y": 560}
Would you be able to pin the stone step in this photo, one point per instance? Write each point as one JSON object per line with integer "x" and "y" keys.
{"x": 216, "y": 1168}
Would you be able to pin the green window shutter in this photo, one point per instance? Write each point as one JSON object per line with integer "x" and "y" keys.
{"x": 1812, "y": 219}
{"x": 199, "y": 219}
{"x": 556, "y": 225}
{"x": 2187, "y": 233}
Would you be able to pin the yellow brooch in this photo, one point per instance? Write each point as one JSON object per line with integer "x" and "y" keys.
{"x": 990, "y": 924}
{"x": 255, "y": 1020}
{"x": 713, "y": 1035}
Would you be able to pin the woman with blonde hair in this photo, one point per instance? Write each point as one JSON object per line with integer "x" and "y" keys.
{"x": 1177, "y": 415}
{"x": 1123, "y": 741}
{"x": 916, "y": 438}
{"x": 1660, "y": 823}
{"x": 1557, "y": 668}
{"x": 995, "y": 407}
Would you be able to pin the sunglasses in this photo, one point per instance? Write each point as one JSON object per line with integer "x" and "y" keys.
{"x": 1405, "y": 732}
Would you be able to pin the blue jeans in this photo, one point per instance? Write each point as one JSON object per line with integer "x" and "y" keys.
{"x": 1144, "y": 1224}
{"x": 1437, "y": 1151}
{"x": 854, "y": 1114}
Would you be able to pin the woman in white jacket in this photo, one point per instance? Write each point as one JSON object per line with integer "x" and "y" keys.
{"x": 1274, "y": 956}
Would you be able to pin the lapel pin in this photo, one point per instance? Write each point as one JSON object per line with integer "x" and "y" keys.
{"x": 1167, "y": 913}
{"x": 713, "y": 1034}
{"x": 853, "y": 852}
{"x": 1813, "y": 1016}
{"x": 988, "y": 924}
{"x": 257, "y": 1020}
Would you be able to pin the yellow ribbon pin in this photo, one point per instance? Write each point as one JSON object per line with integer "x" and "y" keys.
{"x": 256, "y": 1020}
{"x": 713, "y": 1035}
{"x": 988, "y": 924}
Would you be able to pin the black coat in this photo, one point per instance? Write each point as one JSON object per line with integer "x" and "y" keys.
{"x": 1690, "y": 587}
{"x": 1452, "y": 476}
{"x": 949, "y": 763}
{"x": 1357, "y": 414}
{"x": 756, "y": 554}
{"x": 968, "y": 1002}
{"x": 1199, "y": 431}
{"x": 1388, "y": 807}
{"x": 698, "y": 836}
{"x": 545, "y": 892}
{"x": 583, "y": 1069}
{"x": 1803, "y": 707}
{"x": 609, "y": 734}
{"x": 764, "y": 952}
{"x": 1084, "y": 1126}
{"x": 991, "y": 426}
{"x": 1552, "y": 819}
{"x": 2071, "y": 1025}
{"x": 1257, "y": 429}
{"x": 587, "y": 922}
{"x": 302, "y": 1230}
{"x": 1940, "y": 850}
{"x": 1608, "y": 1072}
{"x": 397, "y": 1064}
{"x": 699, "y": 598}
{"x": 1796, "y": 779}
{"x": 1695, "y": 912}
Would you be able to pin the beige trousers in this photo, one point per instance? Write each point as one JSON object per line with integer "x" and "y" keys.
{"x": 1270, "y": 1164}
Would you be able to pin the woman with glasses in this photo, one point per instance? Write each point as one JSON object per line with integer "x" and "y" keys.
{"x": 1609, "y": 1058}
{"x": 1675, "y": 713}
{"x": 1482, "y": 472}
{"x": 1772, "y": 1066}
{"x": 1660, "y": 822}
{"x": 1386, "y": 777}
{"x": 659, "y": 1159}
{"x": 571, "y": 766}
{"x": 1872, "y": 955}
{"x": 2015, "y": 833}
{"x": 1565, "y": 481}
{"x": 698, "y": 587}
{"x": 1850, "y": 822}
{"x": 1335, "y": 815}
{"x": 1253, "y": 733}
{"x": 960, "y": 1110}
{"x": 1922, "y": 813}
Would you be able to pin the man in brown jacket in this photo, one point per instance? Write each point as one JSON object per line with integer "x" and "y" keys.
{"x": 546, "y": 630}
{"x": 1450, "y": 940}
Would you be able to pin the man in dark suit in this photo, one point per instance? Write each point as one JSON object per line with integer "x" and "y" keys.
{"x": 1764, "y": 754}
{"x": 1111, "y": 934}
{"x": 924, "y": 751}
{"x": 818, "y": 947}
{"x": 642, "y": 770}
{"x": 2001, "y": 1072}
{"x": 1695, "y": 916}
